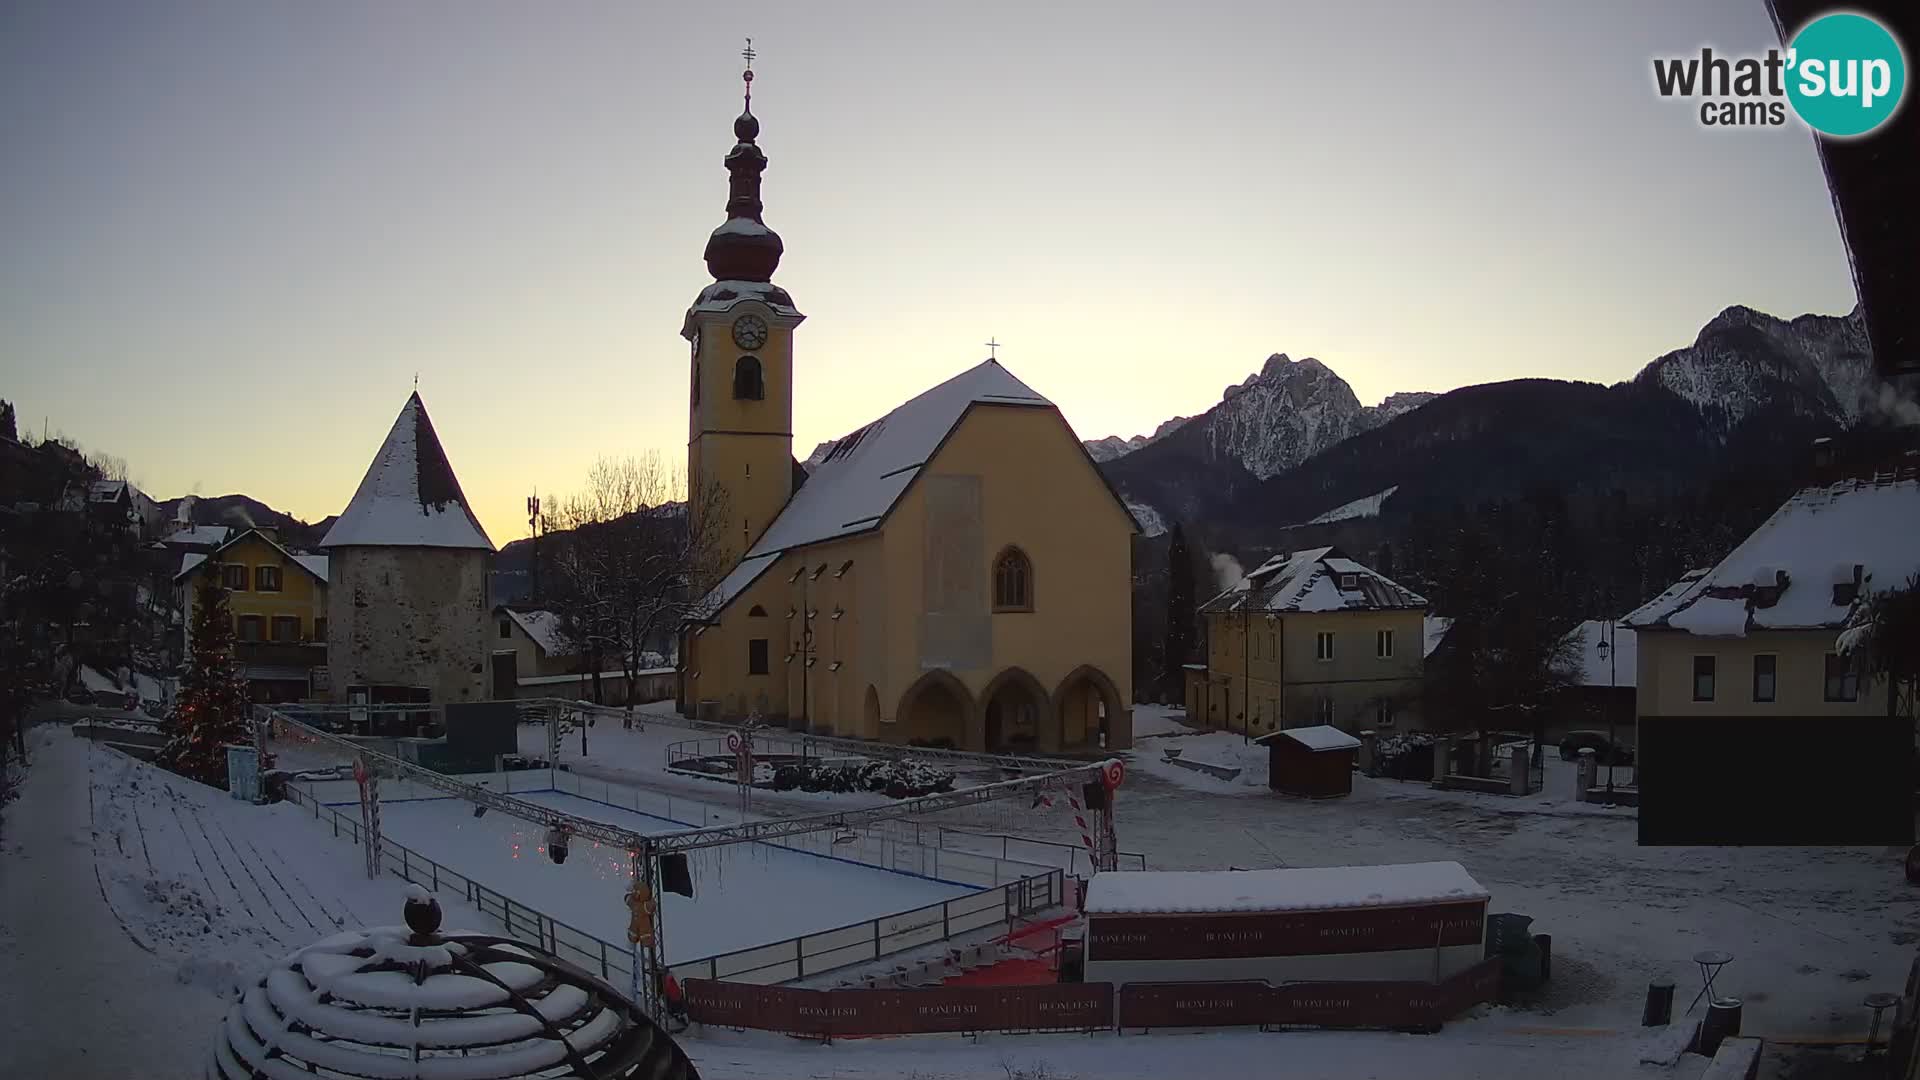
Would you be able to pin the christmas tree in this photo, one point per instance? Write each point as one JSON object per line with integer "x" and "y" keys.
{"x": 211, "y": 709}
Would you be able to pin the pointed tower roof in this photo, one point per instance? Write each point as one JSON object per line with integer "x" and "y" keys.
{"x": 409, "y": 497}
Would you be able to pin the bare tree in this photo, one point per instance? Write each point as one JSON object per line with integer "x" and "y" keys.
{"x": 629, "y": 564}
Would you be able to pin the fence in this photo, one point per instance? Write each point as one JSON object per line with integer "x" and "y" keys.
{"x": 1010, "y": 890}
{"x": 1072, "y": 858}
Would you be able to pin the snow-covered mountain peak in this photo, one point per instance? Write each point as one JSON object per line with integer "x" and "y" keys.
{"x": 1745, "y": 360}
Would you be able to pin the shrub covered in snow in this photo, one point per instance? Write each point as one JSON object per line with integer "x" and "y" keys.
{"x": 1404, "y": 756}
{"x": 895, "y": 779}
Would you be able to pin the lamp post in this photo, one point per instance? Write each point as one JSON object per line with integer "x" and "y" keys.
{"x": 1609, "y": 653}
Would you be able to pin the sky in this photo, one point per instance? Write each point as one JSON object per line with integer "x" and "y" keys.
{"x": 233, "y": 234}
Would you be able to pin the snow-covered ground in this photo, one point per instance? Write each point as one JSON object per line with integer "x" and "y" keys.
{"x": 731, "y": 908}
{"x": 193, "y": 889}
{"x": 132, "y": 900}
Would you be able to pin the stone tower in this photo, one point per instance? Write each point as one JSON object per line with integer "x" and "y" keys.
{"x": 407, "y": 607}
{"x": 740, "y": 404}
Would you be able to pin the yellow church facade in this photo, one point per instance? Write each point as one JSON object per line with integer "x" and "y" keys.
{"x": 955, "y": 573}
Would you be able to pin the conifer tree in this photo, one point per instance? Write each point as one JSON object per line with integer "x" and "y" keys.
{"x": 1180, "y": 612}
{"x": 211, "y": 709}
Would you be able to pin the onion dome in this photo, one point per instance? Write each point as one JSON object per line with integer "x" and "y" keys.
{"x": 743, "y": 248}
{"x": 408, "y": 1003}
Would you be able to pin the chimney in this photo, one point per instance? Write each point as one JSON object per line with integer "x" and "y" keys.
{"x": 1846, "y": 583}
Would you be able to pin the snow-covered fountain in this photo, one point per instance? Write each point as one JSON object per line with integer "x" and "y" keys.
{"x": 410, "y": 1003}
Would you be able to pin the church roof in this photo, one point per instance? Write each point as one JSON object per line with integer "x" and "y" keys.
{"x": 865, "y": 472}
{"x": 409, "y": 497}
{"x": 857, "y": 484}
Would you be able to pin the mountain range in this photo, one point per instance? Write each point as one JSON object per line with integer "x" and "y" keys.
{"x": 1291, "y": 447}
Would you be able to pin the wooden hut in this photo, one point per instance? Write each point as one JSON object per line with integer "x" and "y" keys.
{"x": 1315, "y": 762}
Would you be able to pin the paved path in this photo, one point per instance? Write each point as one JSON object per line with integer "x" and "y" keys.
{"x": 79, "y": 1000}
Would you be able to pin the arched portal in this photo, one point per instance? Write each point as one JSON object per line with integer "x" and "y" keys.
{"x": 934, "y": 711}
{"x": 1015, "y": 714}
{"x": 870, "y": 714}
{"x": 1088, "y": 706}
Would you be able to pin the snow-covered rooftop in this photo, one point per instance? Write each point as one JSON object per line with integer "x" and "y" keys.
{"x": 409, "y": 497}
{"x": 1317, "y": 737}
{"x": 545, "y": 630}
{"x": 854, "y": 487}
{"x": 312, "y": 564}
{"x": 1869, "y": 523}
{"x": 1615, "y": 669}
{"x": 199, "y": 536}
{"x": 1310, "y": 581}
{"x": 1154, "y": 892}
{"x": 1434, "y": 631}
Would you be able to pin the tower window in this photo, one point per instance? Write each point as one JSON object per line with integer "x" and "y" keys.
{"x": 757, "y": 656}
{"x": 1012, "y": 581}
{"x": 748, "y": 383}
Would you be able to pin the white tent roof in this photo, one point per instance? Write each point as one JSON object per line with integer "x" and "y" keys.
{"x": 409, "y": 497}
{"x": 1169, "y": 892}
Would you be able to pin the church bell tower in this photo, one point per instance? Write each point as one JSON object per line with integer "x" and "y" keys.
{"x": 740, "y": 402}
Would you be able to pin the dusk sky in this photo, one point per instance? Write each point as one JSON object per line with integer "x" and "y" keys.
{"x": 234, "y": 232}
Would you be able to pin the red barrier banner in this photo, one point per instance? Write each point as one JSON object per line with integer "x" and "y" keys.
{"x": 1388, "y": 1005}
{"x": 1303, "y": 933}
{"x": 1090, "y": 1006}
{"x": 1056, "y": 1007}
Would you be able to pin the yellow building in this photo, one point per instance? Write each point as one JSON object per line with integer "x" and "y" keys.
{"x": 1758, "y": 634}
{"x": 957, "y": 572}
{"x": 1755, "y": 726}
{"x": 1310, "y": 637}
{"x": 278, "y": 600}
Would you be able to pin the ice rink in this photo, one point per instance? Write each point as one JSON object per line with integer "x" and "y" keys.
{"x": 744, "y": 894}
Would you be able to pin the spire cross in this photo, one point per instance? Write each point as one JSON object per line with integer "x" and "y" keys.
{"x": 748, "y": 54}
{"x": 993, "y": 349}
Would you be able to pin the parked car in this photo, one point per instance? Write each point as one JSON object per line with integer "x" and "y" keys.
{"x": 1596, "y": 741}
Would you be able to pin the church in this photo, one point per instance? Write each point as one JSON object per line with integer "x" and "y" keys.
{"x": 956, "y": 573}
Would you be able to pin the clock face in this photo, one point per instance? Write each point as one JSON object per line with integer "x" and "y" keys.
{"x": 749, "y": 332}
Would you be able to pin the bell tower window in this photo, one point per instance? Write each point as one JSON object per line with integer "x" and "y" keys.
{"x": 748, "y": 383}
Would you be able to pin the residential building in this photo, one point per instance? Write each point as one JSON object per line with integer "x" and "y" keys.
{"x": 278, "y": 602}
{"x": 409, "y": 608}
{"x": 1312, "y": 638}
{"x": 956, "y": 572}
{"x": 1748, "y": 709}
{"x": 1757, "y": 633}
{"x": 528, "y": 643}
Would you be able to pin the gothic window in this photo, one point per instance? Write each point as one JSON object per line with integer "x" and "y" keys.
{"x": 1012, "y": 581}
{"x": 756, "y": 612}
{"x": 748, "y": 384}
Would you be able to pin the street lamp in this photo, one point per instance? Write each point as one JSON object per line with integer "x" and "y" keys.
{"x": 1608, "y": 653}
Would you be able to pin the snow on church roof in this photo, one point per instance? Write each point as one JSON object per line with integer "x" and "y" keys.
{"x": 409, "y": 497}
{"x": 1821, "y": 530}
{"x": 1156, "y": 892}
{"x": 865, "y": 472}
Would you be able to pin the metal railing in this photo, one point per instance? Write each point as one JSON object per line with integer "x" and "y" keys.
{"x": 1006, "y": 894}
{"x": 1074, "y": 859}
{"x": 567, "y": 942}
